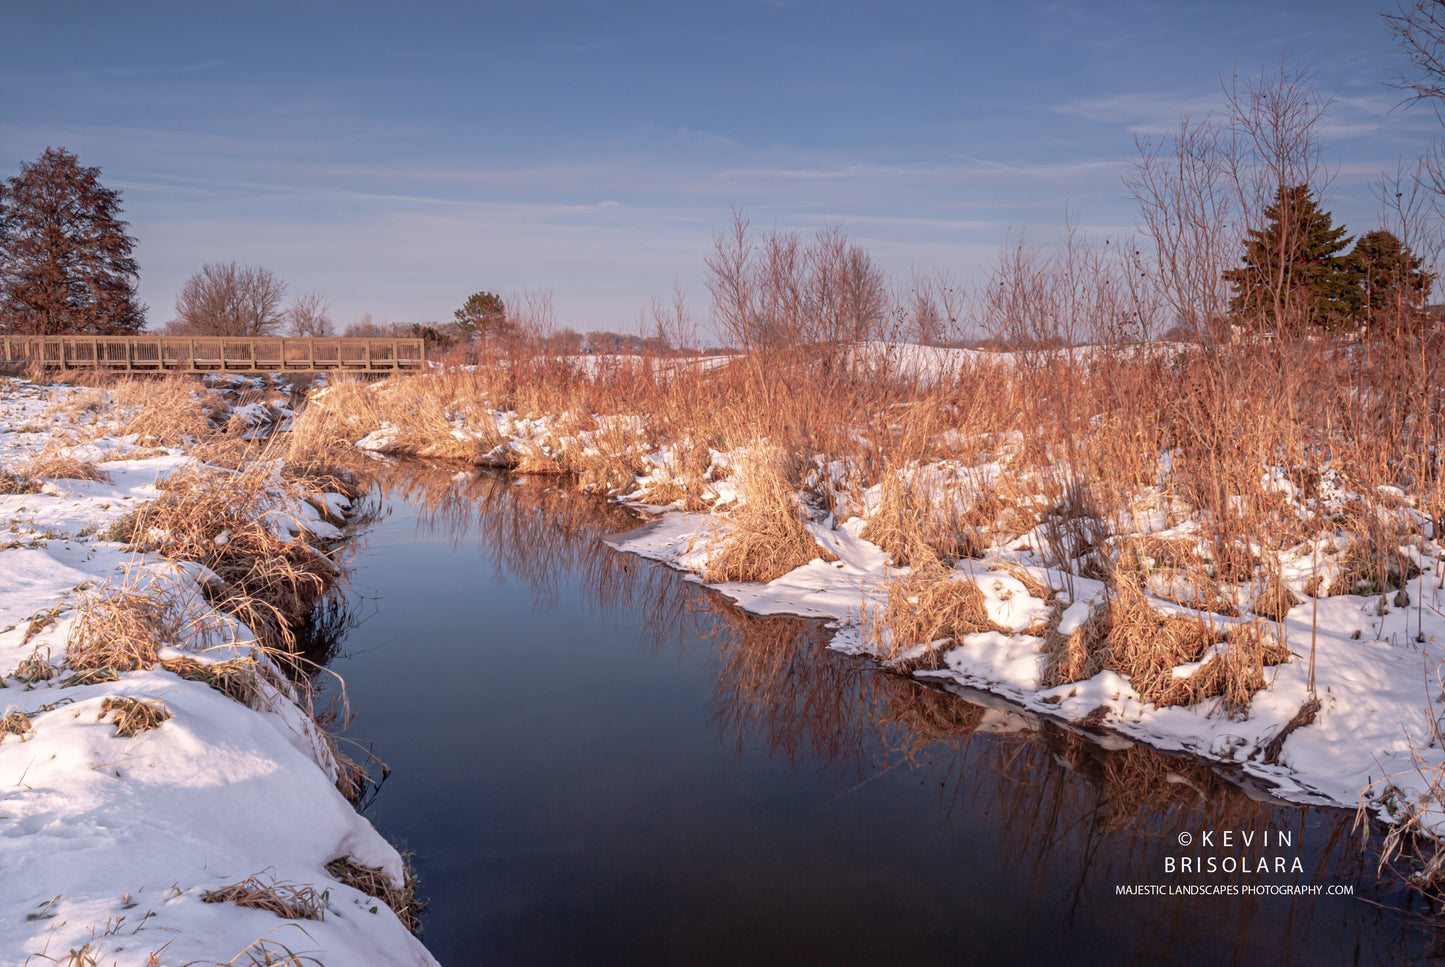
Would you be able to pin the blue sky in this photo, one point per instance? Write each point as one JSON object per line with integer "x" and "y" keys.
{"x": 397, "y": 159}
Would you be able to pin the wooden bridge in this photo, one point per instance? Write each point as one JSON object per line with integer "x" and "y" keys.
{"x": 213, "y": 354}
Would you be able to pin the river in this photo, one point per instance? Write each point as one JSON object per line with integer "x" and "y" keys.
{"x": 596, "y": 761}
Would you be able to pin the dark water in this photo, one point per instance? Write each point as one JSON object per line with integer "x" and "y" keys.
{"x": 597, "y": 762}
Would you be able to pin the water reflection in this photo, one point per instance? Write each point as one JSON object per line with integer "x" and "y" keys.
{"x": 1069, "y": 815}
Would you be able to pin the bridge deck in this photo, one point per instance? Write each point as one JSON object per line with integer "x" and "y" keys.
{"x": 212, "y": 354}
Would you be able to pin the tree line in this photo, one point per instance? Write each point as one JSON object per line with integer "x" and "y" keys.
{"x": 67, "y": 266}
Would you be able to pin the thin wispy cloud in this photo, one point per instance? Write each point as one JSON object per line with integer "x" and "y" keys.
{"x": 594, "y": 149}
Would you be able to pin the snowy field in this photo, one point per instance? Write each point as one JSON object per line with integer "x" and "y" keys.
{"x": 112, "y": 842}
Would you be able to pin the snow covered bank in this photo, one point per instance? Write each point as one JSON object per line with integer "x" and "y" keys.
{"x": 1376, "y": 674}
{"x": 132, "y": 798}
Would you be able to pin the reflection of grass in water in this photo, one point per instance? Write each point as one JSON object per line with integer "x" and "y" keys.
{"x": 1068, "y": 810}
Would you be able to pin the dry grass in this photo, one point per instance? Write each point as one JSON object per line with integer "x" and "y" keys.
{"x": 288, "y": 900}
{"x": 34, "y": 668}
{"x": 1127, "y": 635}
{"x": 164, "y": 412}
{"x": 766, "y": 534}
{"x": 917, "y": 527}
{"x": 51, "y": 463}
{"x": 240, "y": 679}
{"x": 1274, "y": 599}
{"x": 374, "y": 882}
{"x": 122, "y": 629}
{"x": 265, "y": 952}
{"x": 929, "y": 608}
{"x": 219, "y": 518}
{"x": 15, "y": 722}
{"x": 134, "y": 715}
{"x": 15, "y": 483}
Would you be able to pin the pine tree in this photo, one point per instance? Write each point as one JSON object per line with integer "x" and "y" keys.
{"x": 484, "y": 314}
{"x": 1292, "y": 270}
{"x": 65, "y": 258}
{"x": 1393, "y": 277}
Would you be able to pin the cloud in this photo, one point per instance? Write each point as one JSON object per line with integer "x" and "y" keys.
{"x": 1144, "y": 113}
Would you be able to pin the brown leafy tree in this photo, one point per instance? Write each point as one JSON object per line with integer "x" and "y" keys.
{"x": 65, "y": 257}
{"x": 230, "y": 300}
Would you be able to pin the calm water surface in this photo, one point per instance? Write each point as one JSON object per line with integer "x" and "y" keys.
{"x": 595, "y": 761}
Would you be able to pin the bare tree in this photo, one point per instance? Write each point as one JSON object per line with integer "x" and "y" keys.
{"x": 669, "y": 324}
{"x": 310, "y": 315}
{"x": 531, "y": 315}
{"x": 1190, "y": 215}
{"x": 779, "y": 292}
{"x": 1419, "y": 28}
{"x": 1275, "y": 146}
{"x": 230, "y": 300}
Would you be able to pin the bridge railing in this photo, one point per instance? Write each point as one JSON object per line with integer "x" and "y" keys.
{"x": 208, "y": 354}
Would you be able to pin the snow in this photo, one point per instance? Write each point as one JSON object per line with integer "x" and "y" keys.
{"x": 1373, "y": 740}
{"x": 1377, "y": 675}
{"x": 110, "y": 841}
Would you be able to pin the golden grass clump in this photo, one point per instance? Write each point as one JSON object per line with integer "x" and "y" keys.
{"x": 330, "y": 421}
{"x": 15, "y": 722}
{"x": 34, "y": 668}
{"x": 376, "y": 883}
{"x": 14, "y": 483}
{"x": 52, "y": 464}
{"x": 134, "y": 715}
{"x": 218, "y": 518}
{"x": 91, "y": 676}
{"x": 287, "y": 900}
{"x": 931, "y": 606}
{"x": 1130, "y": 637}
{"x": 1273, "y": 599}
{"x": 121, "y": 629}
{"x": 768, "y": 537}
{"x": 916, "y": 531}
{"x": 164, "y": 412}
{"x": 236, "y": 678}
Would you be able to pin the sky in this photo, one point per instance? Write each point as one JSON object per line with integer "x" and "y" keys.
{"x": 399, "y": 158}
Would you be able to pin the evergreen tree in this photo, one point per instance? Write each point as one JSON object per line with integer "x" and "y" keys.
{"x": 1292, "y": 270}
{"x": 1393, "y": 278}
{"x": 483, "y": 313}
{"x": 65, "y": 257}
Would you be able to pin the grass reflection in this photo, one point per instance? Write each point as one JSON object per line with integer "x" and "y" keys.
{"x": 1072, "y": 814}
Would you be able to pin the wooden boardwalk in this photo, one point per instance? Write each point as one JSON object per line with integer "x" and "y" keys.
{"x": 213, "y": 354}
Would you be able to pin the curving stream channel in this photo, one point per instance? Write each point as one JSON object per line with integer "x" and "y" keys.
{"x": 596, "y": 761}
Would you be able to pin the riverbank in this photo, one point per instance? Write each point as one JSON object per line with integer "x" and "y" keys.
{"x": 168, "y": 796}
{"x": 1232, "y": 553}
